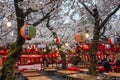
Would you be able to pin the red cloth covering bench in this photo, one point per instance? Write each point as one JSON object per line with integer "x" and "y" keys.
{"x": 116, "y": 68}
{"x": 73, "y": 68}
{"x": 100, "y": 69}
{"x": 113, "y": 68}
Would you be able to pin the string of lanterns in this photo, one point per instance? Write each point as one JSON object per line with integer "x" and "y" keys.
{"x": 112, "y": 39}
{"x": 81, "y": 38}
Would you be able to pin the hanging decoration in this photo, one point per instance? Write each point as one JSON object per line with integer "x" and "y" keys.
{"x": 62, "y": 46}
{"x": 57, "y": 40}
{"x": 28, "y": 31}
{"x": 107, "y": 46}
{"x": 112, "y": 40}
{"x": 80, "y": 37}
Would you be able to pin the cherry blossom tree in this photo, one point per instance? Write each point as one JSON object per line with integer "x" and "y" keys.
{"x": 23, "y": 8}
{"x": 99, "y": 28}
{"x": 71, "y": 15}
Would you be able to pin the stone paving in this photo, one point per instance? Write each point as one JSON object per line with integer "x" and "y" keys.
{"x": 43, "y": 76}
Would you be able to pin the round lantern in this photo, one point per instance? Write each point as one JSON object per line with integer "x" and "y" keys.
{"x": 107, "y": 46}
{"x": 28, "y": 31}
{"x": 62, "y": 46}
{"x": 112, "y": 40}
{"x": 79, "y": 37}
{"x": 57, "y": 40}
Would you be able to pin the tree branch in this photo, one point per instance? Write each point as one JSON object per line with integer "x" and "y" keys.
{"x": 50, "y": 28}
{"x": 87, "y": 9}
{"x": 109, "y": 16}
{"x": 104, "y": 28}
{"x": 49, "y": 2}
{"x": 29, "y": 11}
{"x": 42, "y": 12}
{"x": 44, "y": 17}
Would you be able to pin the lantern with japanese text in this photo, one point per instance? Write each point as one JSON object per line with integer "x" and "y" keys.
{"x": 57, "y": 40}
{"x": 112, "y": 40}
{"x": 28, "y": 32}
{"x": 80, "y": 37}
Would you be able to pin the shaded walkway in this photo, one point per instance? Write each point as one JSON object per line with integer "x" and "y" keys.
{"x": 41, "y": 75}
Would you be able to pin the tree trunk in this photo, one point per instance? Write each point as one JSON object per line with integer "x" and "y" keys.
{"x": 63, "y": 57}
{"x": 92, "y": 67}
{"x": 97, "y": 27}
{"x": 8, "y": 66}
{"x": 94, "y": 46}
{"x": 16, "y": 48}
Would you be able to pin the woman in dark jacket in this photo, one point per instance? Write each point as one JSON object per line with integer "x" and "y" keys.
{"x": 106, "y": 63}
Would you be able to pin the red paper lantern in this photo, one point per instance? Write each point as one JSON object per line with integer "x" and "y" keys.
{"x": 28, "y": 32}
{"x": 57, "y": 40}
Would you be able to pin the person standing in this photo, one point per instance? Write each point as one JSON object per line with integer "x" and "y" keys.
{"x": 106, "y": 63}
